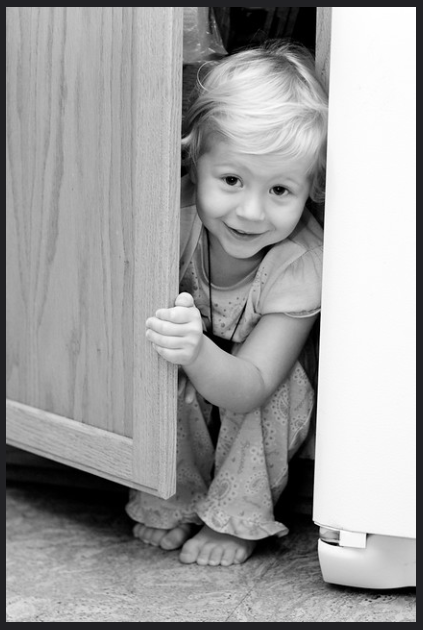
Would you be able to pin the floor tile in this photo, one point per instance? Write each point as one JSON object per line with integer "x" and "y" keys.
{"x": 71, "y": 557}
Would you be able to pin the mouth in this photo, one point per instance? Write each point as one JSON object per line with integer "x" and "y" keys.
{"x": 243, "y": 234}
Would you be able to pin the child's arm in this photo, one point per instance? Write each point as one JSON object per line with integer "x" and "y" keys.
{"x": 241, "y": 382}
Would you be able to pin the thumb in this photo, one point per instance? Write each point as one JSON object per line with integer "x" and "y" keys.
{"x": 184, "y": 299}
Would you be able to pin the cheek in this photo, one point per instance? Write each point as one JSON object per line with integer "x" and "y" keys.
{"x": 211, "y": 204}
{"x": 285, "y": 220}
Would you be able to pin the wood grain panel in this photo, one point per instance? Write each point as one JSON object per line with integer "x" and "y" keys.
{"x": 70, "y": 213}
{"x": 156, "y": 190}
{"x": 323, "y": 34}
{"x": 92, "y": 172}
{"x": 76, "y": 444}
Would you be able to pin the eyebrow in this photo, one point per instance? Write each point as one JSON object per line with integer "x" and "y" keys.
{"x": 234, "y": 168}
{"x": 289, "y": 180}
{"x": 227, "y": 166}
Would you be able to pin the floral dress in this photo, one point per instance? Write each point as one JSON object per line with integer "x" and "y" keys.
{"x": 232, "y": 469}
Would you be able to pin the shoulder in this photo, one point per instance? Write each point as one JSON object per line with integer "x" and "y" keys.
{"x": 291, "y": 272}
{"x": 302, "y": 248}
{"x": 308, "y": 234}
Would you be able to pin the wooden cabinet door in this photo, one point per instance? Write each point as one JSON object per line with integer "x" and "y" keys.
{"x": 93, "y": 169}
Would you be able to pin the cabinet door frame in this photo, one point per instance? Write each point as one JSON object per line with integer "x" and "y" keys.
{"x": 146, "y": 459}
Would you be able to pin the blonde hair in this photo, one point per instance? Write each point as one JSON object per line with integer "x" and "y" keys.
{"x": 263, "y": 100}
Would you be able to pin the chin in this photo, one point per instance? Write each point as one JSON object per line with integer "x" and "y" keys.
{"x": 246, "y": 254}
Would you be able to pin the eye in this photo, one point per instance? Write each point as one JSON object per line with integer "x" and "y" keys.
{"x": 231, "y": 180}
{"x": 279, "y": 190}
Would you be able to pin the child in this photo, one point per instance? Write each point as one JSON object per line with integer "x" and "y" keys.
{"x": 251, "y": 256}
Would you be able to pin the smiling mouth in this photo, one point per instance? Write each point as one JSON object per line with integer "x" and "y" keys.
{"x": 243, "y": 233}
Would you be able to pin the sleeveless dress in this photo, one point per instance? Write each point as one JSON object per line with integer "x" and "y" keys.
{"x": 231, "y": 473}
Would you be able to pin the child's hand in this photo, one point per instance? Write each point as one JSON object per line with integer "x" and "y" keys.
{"x": 177, "y": 333}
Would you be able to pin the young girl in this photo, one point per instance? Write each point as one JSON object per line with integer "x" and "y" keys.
{"x": 250, "y": 269}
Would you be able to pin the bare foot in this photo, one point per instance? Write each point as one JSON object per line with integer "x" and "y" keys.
{"x": 213, "y": 548}
{"x": 167, "y": 539}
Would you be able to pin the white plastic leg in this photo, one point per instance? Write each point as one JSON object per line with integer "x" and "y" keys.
{"x": 386, "y": 562}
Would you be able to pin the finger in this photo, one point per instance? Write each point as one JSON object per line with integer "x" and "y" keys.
{"x": 178, "y": 314}
{"x": 166, "y": 328}
{"x": 173, "y": 356}
{"x": 164, "y": 341}
{"x": 184, "y": 299}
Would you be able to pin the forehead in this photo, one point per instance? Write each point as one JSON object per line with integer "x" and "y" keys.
{"x": 220, "y": 153}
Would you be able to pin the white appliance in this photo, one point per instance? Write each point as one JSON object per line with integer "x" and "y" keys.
{"x": 364, "y": 488}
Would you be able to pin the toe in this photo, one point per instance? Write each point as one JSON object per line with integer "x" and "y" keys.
{"x": 240, "y": 556}
{"x": 205, "y": 553}
{"x": 148, "y": 535}
{"x": 176, "y": 537}
{"x": 229, "y": 557}
{"x": 144, "y": 533}
{"x": 189, "y": 552}
{"x": 216, "y": 556}
{"x": 136, "y": 530}
{"x": 212, "y": 548}
{"x": 154, "y": 537}
{"x": 168, "y": 542}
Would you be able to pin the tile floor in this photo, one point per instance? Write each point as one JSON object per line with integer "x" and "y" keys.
{"x": 71, "y": 558}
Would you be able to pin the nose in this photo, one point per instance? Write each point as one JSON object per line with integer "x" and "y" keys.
{"x": 251, "y": 207}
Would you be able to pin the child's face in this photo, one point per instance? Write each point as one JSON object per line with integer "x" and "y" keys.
{"x": 249, "y": 202}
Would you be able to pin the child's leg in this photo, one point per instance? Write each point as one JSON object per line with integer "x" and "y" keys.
{"x": 251, "y": 464}
{"x": 169, "y": 523}
{"x": 251, "y": 472}
{"x": 238, "y": 508}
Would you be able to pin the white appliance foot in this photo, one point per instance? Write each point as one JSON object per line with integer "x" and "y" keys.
{"x": 386, "y": 562}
